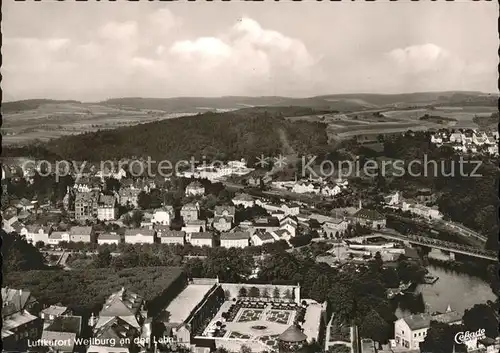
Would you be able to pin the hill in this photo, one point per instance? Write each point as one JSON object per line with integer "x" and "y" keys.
{"x": 339, "y": 102}
{"x": 29, "y": 104}
{"x": 247, "y": 133}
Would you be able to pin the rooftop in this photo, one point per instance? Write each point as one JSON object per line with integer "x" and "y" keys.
{"x": 81, "y": 230}
{"x": 181, "y": 307}
{"x": 369, "y": 214}
{"x": 139, "y": 231}
{"x": 173, "y": 234}
{"x": 417, "y": 322}
{"x": 201, "y": 235}
{"x": 292, "y": 334}
{"x": 234, "y": 235}
{"x": 71, "y": 324}
{"x": 55, "y": 310}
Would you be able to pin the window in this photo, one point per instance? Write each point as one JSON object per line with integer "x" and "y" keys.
{"x": 414, "y": 335}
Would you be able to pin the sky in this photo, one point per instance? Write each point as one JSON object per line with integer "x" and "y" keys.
{"x": 99, "y": 50}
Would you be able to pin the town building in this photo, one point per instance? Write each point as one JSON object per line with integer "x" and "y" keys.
{"x": 260, "y": 238}
{"x": 61, "y": 334}
{"x": 190, "y": 212}
{"x": 267, "y": 224}
{"x": 57, "y": 237}
{"x": 369, "y": 218}
{"x": 50, "y": 313}
{"x": 109, "y": 238}
{"x": 107, "y": 208}
{"x": 83, "y": 234}
{"x": 140, "y": 236}
{"x": 172, "y": 237}
{"x": 393, "y": 199}
{"x": 129, "y": 197}
{"x": 122, "y": 316}
{"x": 86, "y": 205}
{"x": 19, "y": 323}
{"x": 195, "y": 188}
{"x": 35, "y": 233}
{"x": 223, "y": 218}
{"x": 196, "y": 225}
{"x": 201, "y": 239}
{"x": 163, "y": 216}
{"x": 422, "y": 210}
{"x": 335, "y": 226}
{"x": 243, "y": 200}
{"x": 234, "y": 239}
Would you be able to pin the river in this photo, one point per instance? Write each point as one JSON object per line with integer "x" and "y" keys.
{"x": 459, "y": 291}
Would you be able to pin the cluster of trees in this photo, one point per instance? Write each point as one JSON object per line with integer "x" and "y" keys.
{"x": 441, "y": 337}
{"x": 218, "y": 136}
{"x": 19, "y": 255}
{"x": 86, "y": 290}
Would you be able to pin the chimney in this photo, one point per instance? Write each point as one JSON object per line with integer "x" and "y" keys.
{"x": 360, "y": 205}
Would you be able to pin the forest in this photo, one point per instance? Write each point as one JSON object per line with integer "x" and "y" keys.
{"x": 223, "y": 136}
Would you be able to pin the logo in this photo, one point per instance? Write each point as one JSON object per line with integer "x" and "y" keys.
{"x": 464, "y": 337}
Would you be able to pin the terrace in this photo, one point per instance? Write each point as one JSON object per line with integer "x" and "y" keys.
{"x": 255, "y": 319}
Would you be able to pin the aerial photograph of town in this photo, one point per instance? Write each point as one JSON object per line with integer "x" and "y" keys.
{"x": 240, "y": 177}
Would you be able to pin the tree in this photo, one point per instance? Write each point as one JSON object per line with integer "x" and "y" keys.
{"x": 265, "y": 293}
{"x": 320, "y": 288}
{"x": 103, "y": 259}
{"x": 375, "y": 327}
{"x": 254, "y": 292}
{"x": 144, "y": 200}
{"x": 245, "y": 349}
{"x": 276, "y": 293}
{"x": 227, "y": 294}
{"x": 242, "y": 292}
{"x": 481, "y": 316}
{"x": 440, "y": 338}
{"x": 288, "y": 294}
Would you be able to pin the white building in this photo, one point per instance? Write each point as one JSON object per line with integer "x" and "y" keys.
{"x": 422, "y": 210}
{"x": 107, "y": 208}
{"x": 195, "y": 226}
{"x": 35, "y": 233}
{"x": 172, "y": 237}
{"x": 334, "y": 225}
{"x": 331, "y": 191}
{"x": 411, "y": 330}
{"x": 456, "y": 137}
{"x": 234, "y": 239}
{"x": 260, "y": 238}
{"x": 57, "y": 237}
{"x": 163, "y": 216}
{"x": 244, "y": 200}
{"x": 140, "y": 236}
{"x": 201, "y": 239}
{"x": 109, "y": 238}
{"x": 195, "y": 189}
{"x": 393, "y": 199}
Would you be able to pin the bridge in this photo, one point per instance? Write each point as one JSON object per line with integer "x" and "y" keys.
{"x": 435, "y": 244}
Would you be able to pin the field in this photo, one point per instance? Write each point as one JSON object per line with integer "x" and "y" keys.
{"x": 53, "y": 120}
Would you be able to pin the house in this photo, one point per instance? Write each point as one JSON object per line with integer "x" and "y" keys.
{"x": 422, "y": 210}
{"x": 436, "y": 139}
{"x": 26, "y": 205}
{"x": 335, "y": 226}
{"x": 292, "y": 209}
{"x": 289, "y": 224}
{"x": 120, "y": 319}
{"x": 49, "y": 314}
{"x": 393, "y": 199}
{"x": 260, "y": 238}
{"x": 479, "y": 138}
{"x": 223, "y": 218}
{"x": 456, "y": 137}
{"x": 61, "y": 334}
{"x": 267, "y": 224}
{"x": 369, "y": 218}
{"x": 467, "y": 137}
{"x": 281, "y": 234}
{"x": 115, "y": 335}
{"x": 163, "y": 216}
{"x": 109, "y": 238}
{"x": 195, "y": 189}
{"x": 83, "y": 234}
{"x": 449, "y": 317}
{"x": 36, "y": 233}
{"x": 305, "y": 188}
{"x": 19, "y": 325}
{"x": 197, "y": 225}
{"x": 425, "y": 195}
{"x": 244, "y": 200}
{"x": 86, "y": 205}
{"x": 331, "y": 191}
{"x": 411, "y": 330}
{"x": 190, "y": 212}
{"x": 234, "y": 239}
{"x": 140, "y": 236}
{"x": 201, "y": 239}
{"x": 129, "y": 196}
{"x": 107, "y": 208}
{"x": 172, "y": 237}
{"x": 57, "y": 237}
{"x": 278, "y": 214}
